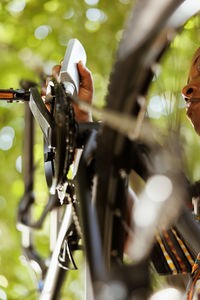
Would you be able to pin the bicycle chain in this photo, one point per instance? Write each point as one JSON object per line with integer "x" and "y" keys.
{"x": 71, "y": 199}
{"x": 70, "y": 147}
{"x": 70, "y": 124}
{"x": 66, "y": 110}
{"x": 70, "y": 139}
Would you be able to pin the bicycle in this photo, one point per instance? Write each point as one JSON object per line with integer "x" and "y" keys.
{"x": 103, "y": 226}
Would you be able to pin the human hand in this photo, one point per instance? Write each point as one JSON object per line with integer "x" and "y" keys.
{"x": 86, "y": 90}
{"x": 191, "y": 92}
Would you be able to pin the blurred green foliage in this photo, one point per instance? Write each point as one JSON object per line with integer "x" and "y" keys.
{"x": 33, "y": 38}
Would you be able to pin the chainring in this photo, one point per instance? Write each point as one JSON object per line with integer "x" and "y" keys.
{"x": 65, "y": 134}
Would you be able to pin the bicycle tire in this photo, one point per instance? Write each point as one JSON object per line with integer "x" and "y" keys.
{"x": 110, "y": 146}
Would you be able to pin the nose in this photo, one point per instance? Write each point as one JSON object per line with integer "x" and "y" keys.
{"x": 190, "y": 91}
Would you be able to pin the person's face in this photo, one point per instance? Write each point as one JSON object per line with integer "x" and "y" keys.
{"x": 191, "y": 92}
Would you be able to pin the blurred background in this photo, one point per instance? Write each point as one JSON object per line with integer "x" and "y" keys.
{"x": 33, "y": 38}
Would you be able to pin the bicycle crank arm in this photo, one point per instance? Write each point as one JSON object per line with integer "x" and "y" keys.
{"x": 42, "y": 116}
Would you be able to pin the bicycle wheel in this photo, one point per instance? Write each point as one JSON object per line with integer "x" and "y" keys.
{"x": 138, "y": 51}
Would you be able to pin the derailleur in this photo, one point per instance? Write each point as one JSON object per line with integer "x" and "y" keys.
{"x": 65, "y": 258}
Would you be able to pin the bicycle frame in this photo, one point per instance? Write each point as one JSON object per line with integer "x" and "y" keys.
{"x": 92, "y": 231}
{"x": 51, "y": 279}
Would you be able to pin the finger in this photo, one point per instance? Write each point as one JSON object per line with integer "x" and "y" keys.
{"x": 85, "y": 76}
{"x": 56, "y": 71}
{"x": 44, "y": 88}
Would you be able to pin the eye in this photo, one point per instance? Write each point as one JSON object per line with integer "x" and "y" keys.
{"x": 195, "y": 61}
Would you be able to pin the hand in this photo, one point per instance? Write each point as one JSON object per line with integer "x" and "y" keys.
{"x": 191, "y": 92}
{"x": 86, "y": 90}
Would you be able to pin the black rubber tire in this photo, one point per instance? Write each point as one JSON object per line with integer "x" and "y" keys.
{"x": 112, "y": 146}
